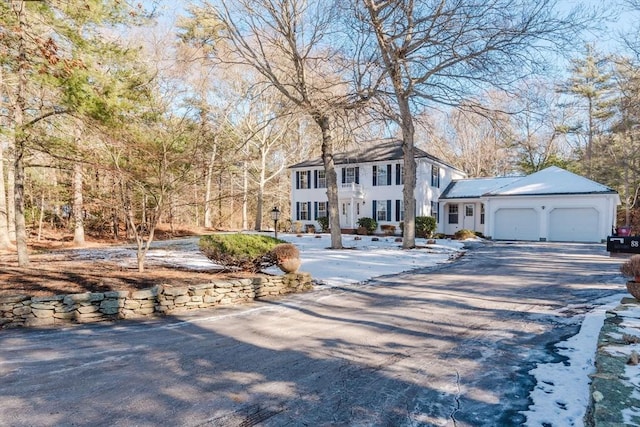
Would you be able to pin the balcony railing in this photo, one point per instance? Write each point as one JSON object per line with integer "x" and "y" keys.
{"x": 351, "y": 189}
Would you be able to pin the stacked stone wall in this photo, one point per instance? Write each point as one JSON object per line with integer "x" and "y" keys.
{"x": 28, "y": 311}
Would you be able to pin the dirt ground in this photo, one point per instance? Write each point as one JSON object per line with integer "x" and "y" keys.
{"x": 55, "y": 269}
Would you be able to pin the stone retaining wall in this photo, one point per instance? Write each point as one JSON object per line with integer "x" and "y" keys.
{"x": 24, "y": 310}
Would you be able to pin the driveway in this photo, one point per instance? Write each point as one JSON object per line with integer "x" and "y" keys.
{"x": 442, "y": 347}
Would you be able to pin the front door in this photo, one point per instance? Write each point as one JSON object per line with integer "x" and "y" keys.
{"x": 469, "y": 218}
{"x": 346, "y": 217}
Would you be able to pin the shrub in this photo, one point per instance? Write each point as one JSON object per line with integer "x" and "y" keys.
{"x": 369, "y": 223}
{"x": 324, "y": 223}
{"x": 238, "y": 251}
{"x": 388, "y": 229}
{"x": 425, "y": 226}
{"x": 631, "y": 267}
{"x": 285, "y": 251}
{"x": 464, "y": 234}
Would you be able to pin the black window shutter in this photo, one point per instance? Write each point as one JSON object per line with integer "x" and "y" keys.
{"x": 308, "y": 179}
{"x": 344, "y": 175}
{"x": 309, "y": 208}
{"x": 388, "y": 174}
{"x": 297, "y": 180}
{"x": 357, "y": 174}
{"x": 389, "y": 207}
{"x": 375, "y": 175}
{"x": 297, "y": 211}
{"x": 374, "y": 210}
{"x": 397, "y": 210}
{"x": 398, "y": 174}
{"x": 315, "y": 210}
{"x": 315, "y": 179}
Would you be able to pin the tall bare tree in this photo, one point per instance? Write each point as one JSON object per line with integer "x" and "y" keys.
{"x": 295, "y": 45}
{"x": 439, "y": 52}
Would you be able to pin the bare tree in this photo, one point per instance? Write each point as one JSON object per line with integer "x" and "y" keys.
{"x": 295, "y": 45}
{"x": 475, "y": 143}
{"x": 440, "y": 52}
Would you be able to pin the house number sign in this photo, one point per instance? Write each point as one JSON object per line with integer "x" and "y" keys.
{"x": 627, "y": 244}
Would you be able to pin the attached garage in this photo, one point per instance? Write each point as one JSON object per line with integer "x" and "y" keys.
{"x": 551, "y": 205}
{"x": 516, "y": 224}
{"x": 574, "y": 225}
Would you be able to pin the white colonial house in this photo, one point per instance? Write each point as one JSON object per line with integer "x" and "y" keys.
{"x": 369, "y": 185}
{"x": 550, "y": 205}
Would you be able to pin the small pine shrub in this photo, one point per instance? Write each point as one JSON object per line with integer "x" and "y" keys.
{"x": 631, "y": 267}
{"x": 425, "y": 226}
{"x": 369, "y": 224}
{"x": 238, "y": 251}
{"x": 324, "y": 223}
{"x": 464, "y": 234}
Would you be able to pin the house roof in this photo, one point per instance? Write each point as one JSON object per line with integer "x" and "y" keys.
{"x": 550, "y": 181}
{"x": 376, "y": 153}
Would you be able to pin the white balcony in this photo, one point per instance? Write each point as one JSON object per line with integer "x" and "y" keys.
{"x": 351, "y": 189}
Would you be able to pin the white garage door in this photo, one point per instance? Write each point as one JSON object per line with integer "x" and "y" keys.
{"x": 574, "y": 225}
{"x": 517, "y": 224}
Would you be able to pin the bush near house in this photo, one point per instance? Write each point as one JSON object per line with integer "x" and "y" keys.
{"x": 388, "y": 229}
{"x": 369, "y": 224}
{"x": 324, "y": 223}
{"x": 425, "y": 226}
{"x": 464, "y": 234}
{"x": 246, "y": 252}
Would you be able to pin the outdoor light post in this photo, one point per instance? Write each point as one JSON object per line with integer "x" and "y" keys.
{"x": 275, "y": 215}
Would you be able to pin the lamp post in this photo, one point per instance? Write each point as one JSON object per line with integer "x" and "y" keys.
{"x": 275, "y": 215}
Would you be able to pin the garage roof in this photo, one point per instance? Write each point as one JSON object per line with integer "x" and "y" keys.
{"x": 552, "y": 180}
{"x": 549, "y": 181}
{"x": 475, "y": 187}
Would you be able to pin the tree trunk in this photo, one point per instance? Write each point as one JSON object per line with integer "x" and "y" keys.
{"x": 409, "y": 184}
{"x": 5, "y": 241}
{"x": 78, "y": 206}
{"x": 11, "y": 195}
{"x": 208, "y": 223}
{"x": 18, "y": 164}
{"x": 260, "y": 205}
{"x": 332, "y": 179}
{"x": 21, "y": 226}
{"x": 41, "y": 217}
{"x": 245, "y": 195}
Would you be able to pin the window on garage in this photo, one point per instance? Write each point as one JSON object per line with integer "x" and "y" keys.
{"x": 453, "y": 214}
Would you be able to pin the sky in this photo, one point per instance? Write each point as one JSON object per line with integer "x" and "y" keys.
{"x": 561, "y": 394}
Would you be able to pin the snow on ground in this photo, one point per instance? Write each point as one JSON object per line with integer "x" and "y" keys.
{"x": 368, "y": 258}
{"x": 561, "y": 394}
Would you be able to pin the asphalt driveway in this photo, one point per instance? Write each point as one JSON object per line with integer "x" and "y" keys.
{"x": 443, "y": 347}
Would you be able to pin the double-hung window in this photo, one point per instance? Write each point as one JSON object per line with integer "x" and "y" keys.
{"x": 321, "y": 179}
{"x": 350, "y": 175}
{"x": 381, "y": 175}
{"x": 303, "y": 179}
{"x": 453, "y": 214}
{"x": 435, "y": 176}
{"x": 321, "y": 209}
{"x": 382, "y": 210}
{"x": 303, "y": 211}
